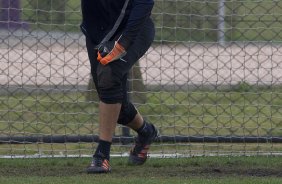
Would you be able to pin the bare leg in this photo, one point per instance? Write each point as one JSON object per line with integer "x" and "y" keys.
{"x": 108, "y": 115}
{"x": 136, "y": 123}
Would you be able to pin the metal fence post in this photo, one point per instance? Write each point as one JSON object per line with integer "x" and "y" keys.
{"x": 221, "y": 22}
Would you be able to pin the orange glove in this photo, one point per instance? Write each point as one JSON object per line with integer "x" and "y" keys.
{"x": 107, "y": 55}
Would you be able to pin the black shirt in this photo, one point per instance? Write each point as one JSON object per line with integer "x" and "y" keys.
{"x": 100, "y": 16}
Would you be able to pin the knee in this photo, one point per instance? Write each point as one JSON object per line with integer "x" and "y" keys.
{"x": 109, "y": 85}
{"x": 127, "y": 113}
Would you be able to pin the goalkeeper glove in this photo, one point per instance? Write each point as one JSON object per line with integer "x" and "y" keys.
{"x": 110, "y": 51}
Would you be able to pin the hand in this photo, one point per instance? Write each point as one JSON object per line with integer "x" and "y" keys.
{"x": 104, "y": 49}
{"x": 110, "y": 51}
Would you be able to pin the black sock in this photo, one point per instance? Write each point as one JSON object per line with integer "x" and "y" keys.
{"x": 103, "y": 149}
{"x": 145, "y": 130}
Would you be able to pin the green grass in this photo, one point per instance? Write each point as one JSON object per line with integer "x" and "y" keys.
{"x": 49, "y": 17}
{"x": 243, "y": 110}
{"x": 212, "y": 170}
{"x": 252, "y": 113}
{"x": 130, "y": 180}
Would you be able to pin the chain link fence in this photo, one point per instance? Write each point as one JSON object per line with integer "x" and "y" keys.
{"x": 211, "y": 82}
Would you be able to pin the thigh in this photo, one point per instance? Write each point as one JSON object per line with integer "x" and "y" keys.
{"x": 111, "y": 77}
{"x": 140, "y": 45}
{"x": 92, "y": 55}
{"x": 119, "y": 69}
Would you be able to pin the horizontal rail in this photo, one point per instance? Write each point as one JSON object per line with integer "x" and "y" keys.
{"x": 126, "y": 140}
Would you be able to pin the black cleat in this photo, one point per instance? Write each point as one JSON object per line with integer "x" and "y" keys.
{"x": 139, "y": 153}
{"x": 99, "y": 165}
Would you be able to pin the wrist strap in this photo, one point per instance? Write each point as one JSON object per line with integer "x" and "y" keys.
{"x": 117, "y": 23}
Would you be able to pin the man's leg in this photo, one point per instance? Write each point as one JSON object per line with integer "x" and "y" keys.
{"x": 147, "y": 133}
{"x": 136, "y": 123}
{"x": 110, "y": 94}
{"x": 108, "y": 115}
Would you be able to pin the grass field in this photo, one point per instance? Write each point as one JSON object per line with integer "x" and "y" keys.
{"x": 242, "y": 111}
{"x": 255, "y": 112}
{"x": 197, "y": 170}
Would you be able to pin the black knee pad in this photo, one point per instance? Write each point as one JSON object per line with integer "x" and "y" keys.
{"x": 109, "y": 84}
{"x": 127, "y": 113}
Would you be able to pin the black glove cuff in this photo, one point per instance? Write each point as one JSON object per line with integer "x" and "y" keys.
{"x": 106, "y": 48}
{"x": 124, "y": 41}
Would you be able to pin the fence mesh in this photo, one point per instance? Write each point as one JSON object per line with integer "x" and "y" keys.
{"x": 211, "y": 82}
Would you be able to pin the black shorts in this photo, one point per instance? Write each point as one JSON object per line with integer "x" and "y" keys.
{"x": 111, "y": 79}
